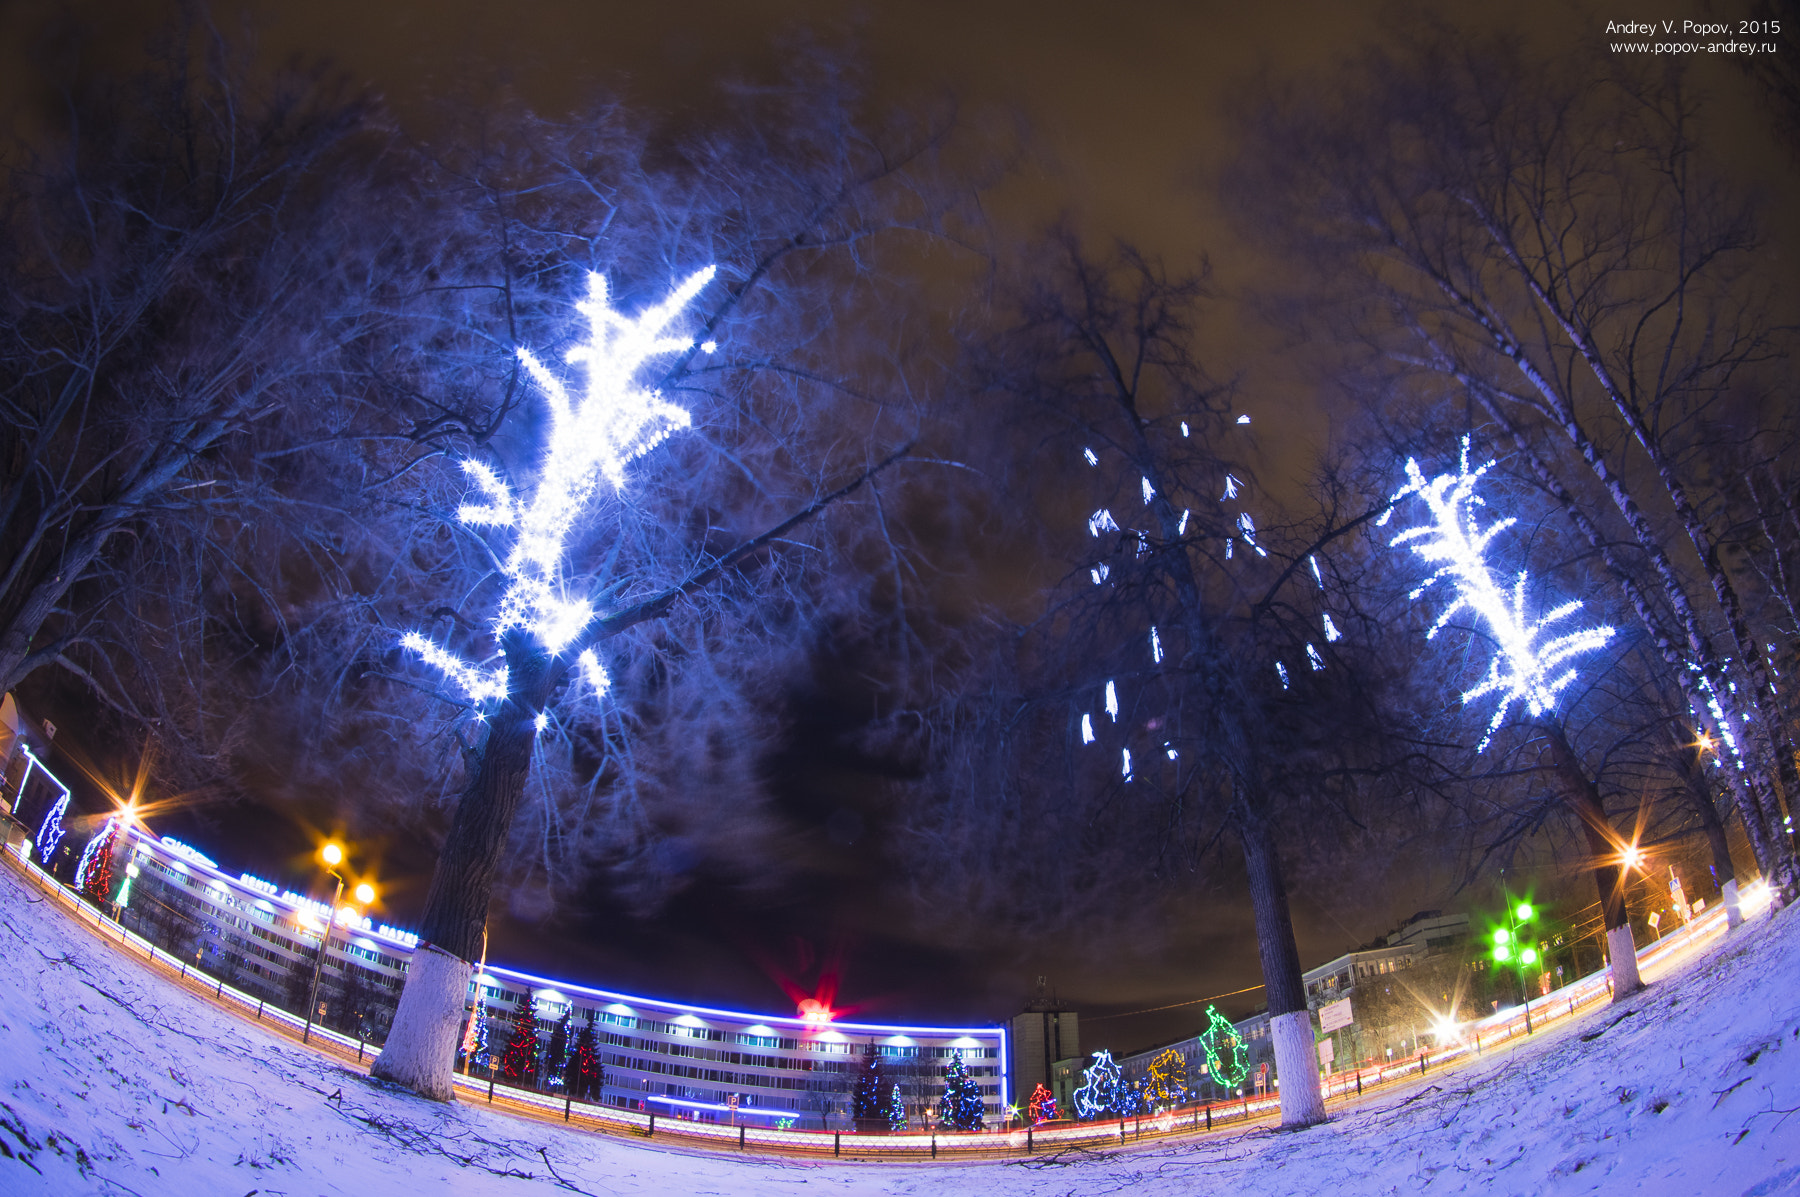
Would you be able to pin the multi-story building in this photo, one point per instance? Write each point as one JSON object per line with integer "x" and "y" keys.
{"x": 669, "y": 1057}
{"x": 1045, "y": 1035}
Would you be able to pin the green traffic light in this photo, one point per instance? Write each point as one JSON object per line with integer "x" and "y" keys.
{"x": 1529, "y": 956}
{"x": 1501, "y": 936}
{"x": 1525, "y": 912}
{"x": 1502, "y": 953}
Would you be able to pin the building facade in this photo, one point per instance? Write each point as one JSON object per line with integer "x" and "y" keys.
{"x": 668, "y": 1057}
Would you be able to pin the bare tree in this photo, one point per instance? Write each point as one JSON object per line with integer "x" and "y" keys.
{"x": 1195, "y": 678}
{"x": 694, "y": 570}
{"x": 1549, "y": 243}
{"x": 184, "y": 257}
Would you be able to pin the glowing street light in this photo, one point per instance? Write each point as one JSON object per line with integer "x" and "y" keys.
{"x": 332, "y": 855}
{"x": 1510, "y": 948}
{"x": 365, "y": 893}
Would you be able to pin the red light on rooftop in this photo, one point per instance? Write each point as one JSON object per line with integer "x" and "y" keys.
{"x": 815, "y": 1011}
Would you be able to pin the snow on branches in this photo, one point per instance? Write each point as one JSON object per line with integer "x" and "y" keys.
{"x": 592, "y": 438}
{"x": 1528, "y": 661}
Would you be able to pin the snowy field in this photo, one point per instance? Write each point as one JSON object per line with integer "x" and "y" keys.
{"x": 117, "y": 1081}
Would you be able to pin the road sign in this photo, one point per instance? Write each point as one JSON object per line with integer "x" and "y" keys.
{"x": 1336, "y": 1015}
{"x": 1327, "y": 1053}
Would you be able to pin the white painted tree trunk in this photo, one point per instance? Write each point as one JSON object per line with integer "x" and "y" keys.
{"x": 421, "y": 1049}
{"x": 1734, "y": 913}
{"x": 1297, "y": 1064}
{"x": 1623, "y": 950}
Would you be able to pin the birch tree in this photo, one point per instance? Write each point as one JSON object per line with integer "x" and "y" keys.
{"x": 615, "y": 518}
{"x": 1551, "y": 244}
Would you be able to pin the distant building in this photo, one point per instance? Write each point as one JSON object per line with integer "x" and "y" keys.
{"x": 1045, "y": 1035}
{"x": 666, "y": 1057}
{"x": 1428, "y": 933}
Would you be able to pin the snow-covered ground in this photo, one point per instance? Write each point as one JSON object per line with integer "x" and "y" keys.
{"x": 117, "y": 1081}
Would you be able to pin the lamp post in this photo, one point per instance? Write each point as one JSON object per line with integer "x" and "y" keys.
{"x": 1507, "y": 947}
{"x": 332, "y": 855}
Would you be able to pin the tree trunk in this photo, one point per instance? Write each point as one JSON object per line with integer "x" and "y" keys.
{"x": 420, "y": 1052}
{"x": 1701, "y": 798}
{"x": 1290, "y": 1022}
{"x": 1751, "y": 798}
{"x": 1583, "y": 797}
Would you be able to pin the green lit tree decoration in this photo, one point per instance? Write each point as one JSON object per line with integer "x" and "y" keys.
{"x": 1226, "y": 1058}
{"x": 896, "y": 1109}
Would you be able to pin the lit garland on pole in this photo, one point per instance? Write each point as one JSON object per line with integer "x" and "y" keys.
{"x": 1526, "y": 664}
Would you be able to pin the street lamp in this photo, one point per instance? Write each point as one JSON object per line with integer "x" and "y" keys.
{"x": 1508, "y": 947}
{"x": 333, "y": 855}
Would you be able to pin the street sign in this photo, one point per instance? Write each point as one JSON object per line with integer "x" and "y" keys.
{"x": 1327, "y": 1053}
{"x": 1336, "y": 1015}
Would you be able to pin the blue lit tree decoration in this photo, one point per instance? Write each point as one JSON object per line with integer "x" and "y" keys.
{"x": 1529, "y": 669}
{"x": 896, "y": 1109}
{"x": 961, "y": 1108}
{"x": 1102, "y": 1093}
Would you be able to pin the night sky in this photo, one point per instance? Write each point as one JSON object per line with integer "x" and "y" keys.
{"x": 1129, "y": 111}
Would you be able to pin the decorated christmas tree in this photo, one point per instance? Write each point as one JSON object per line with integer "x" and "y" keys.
{"x": 558, "y": 1054}
{"x": 519, "y": 1063}
{"x": 474, "y": 1046}
{"x": 584, "y": 1075}
{"x": 1042, "y": 1107}
{"x": 896, "y": 1109}
{"x": 868, "y": 1104}
{"x": 961, "y": 1108}
{"x": 94, "y": 875}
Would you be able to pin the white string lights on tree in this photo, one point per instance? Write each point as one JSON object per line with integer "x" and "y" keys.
{"x": 1529, "y": 663}
{"x": 593, "y": 436}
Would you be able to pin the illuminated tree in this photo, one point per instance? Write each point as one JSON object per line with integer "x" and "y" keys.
{"x": 896, "y": 1109}
{"x": 1574, "y": 265}
{"x": 961, "y": 1108}
{"x": 585, "y": 1075}
{"x": 94, "y": 874}
{"x": 869, "y": 1100}
{"x": 519, "y": 1062}
{"x": 1529, "y": 668}
{"x": 629, "y": 570}
{"x": 1202, "y": 667}
{"x": 556, "y": 1055}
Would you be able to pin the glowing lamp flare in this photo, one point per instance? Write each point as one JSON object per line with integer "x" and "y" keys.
{"x": 814, "y": 1011}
